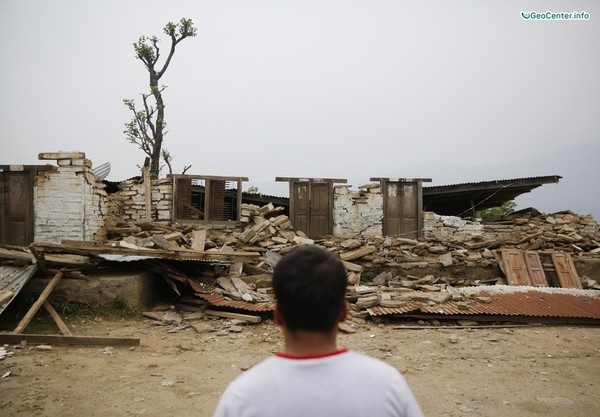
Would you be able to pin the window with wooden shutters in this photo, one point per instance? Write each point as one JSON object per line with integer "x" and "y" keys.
{"x": 198, "y": 199}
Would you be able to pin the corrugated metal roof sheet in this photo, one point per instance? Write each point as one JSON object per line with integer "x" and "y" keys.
{"x": 220, "y": 301}
{"x": 545, "y": 178}
{"x": 12, "y": 281}
{"x": 529, "y": 302}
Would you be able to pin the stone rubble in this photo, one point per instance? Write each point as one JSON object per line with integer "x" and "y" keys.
{"x": 389, "y": 266}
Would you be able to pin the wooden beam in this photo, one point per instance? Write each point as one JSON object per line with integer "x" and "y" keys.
{"x": 148, "y": 189}
{"x": 12, "y": 338}
{"x": 177, "y": 253}
{"x": 41, "y": 261}
{"x": 228, "y": 315}
{"x": 36, "y": 306}
{"x": 61, "y": 324}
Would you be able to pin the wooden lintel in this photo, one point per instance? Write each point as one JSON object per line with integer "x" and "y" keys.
{"x": 13, "y": 338}
{"x": 209, "y": 177}
{"x": 179, "y": 253}
{"x": 400, "y": 179}
{"x": 307, "y": 179}
{"x": 229, "y": 315}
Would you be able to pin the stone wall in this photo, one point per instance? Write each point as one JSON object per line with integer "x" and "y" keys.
{"x": 69, "y": 202}
{"x": 357, "y": 213}
{"x": 534, "y": 229}
{"x": 129, "y": 204}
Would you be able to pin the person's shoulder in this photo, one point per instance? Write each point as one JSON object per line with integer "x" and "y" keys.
{"x": 363, "y": 357}
{"x": 255, "y": 372}
{"x": 363, "y": 361}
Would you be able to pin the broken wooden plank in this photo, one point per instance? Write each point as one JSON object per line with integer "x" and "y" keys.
{"x": 13, "y": 338}
{"x": 41, "y": 262}
{"x": 36, "y": 306}
{"x": 179, "y": 253}
{"x": 61, "y": 324}
{"x": 237, "y": 316}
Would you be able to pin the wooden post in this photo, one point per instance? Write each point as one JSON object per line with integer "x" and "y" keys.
{"x": 41, "y": 261}
{"x": 61, "y": 324}
{"x": 36, "y": 306}
{"x": 148, "y": 189}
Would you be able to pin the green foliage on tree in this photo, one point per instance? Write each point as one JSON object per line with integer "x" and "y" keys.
{"x": 504, "y": 209}
{"x": 147, "y": 127}
{"x": 252, "y": 189}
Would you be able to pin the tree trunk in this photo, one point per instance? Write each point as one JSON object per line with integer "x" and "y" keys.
{"x": 160, "y": 117}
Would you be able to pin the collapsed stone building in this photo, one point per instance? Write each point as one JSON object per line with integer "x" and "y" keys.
{"x": 204, "y": 235}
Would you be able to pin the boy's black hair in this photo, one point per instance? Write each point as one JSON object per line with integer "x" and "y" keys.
{"x": 310, "y": 287}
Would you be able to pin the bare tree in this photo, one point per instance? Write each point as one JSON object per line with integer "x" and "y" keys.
{"x": 147, "y": 128}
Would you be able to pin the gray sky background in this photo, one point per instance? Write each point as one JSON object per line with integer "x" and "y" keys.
{"x": 338, "y": 89}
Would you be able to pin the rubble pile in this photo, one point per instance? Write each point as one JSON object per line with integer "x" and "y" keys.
{"x": 266, "y": 231}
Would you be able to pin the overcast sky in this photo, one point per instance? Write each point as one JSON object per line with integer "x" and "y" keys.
{"x": 336, "y": 89}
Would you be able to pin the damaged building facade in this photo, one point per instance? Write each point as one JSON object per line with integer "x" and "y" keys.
{"x": 67, "y": 201}
{"x": 52, "y": 203}
{"x": 383, "y": 228}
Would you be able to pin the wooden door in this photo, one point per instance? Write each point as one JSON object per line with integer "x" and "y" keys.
{"x": 565, "y": 269}
{"x": 311, "y": 208}
{"x": 16, "y": 207}
{"x": 320, "y": 210}
{"x": 401, "y": 209}
{"x": 300, "y": 207}
{"x": 535, "y": 269}
{"x": 516, "y": 269}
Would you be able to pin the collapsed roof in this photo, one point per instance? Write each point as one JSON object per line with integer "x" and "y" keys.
{"x": 462, "y": 199}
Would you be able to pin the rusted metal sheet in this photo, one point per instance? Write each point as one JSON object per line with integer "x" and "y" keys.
{"x": 535, "y": 269}
{"x": 12, "y": 281}
{"x": 220, "y": 301}
{"x": 515, "y": 268}
{"x": 565, "y": 269}
{"x": 529, "y": 303}
{"x": 384, "y": 311}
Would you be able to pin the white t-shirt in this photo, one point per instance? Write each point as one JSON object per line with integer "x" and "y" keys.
{"x": 342, "y": 383}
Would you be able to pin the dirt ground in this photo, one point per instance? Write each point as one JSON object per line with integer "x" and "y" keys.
{"x": 550, "y": 370}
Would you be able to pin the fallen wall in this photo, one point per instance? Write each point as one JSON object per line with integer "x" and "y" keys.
{"x": 129, "y": 204}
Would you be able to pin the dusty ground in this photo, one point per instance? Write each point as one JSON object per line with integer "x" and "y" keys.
{"x": 528, "y": 371}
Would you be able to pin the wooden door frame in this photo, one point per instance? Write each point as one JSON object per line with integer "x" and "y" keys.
{"x": 31, "y": 171}
{"x": 419, "y": 199}
{"x": 293, "y": 181}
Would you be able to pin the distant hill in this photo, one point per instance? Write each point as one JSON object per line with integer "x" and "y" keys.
{"x": 578, "y": 190}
